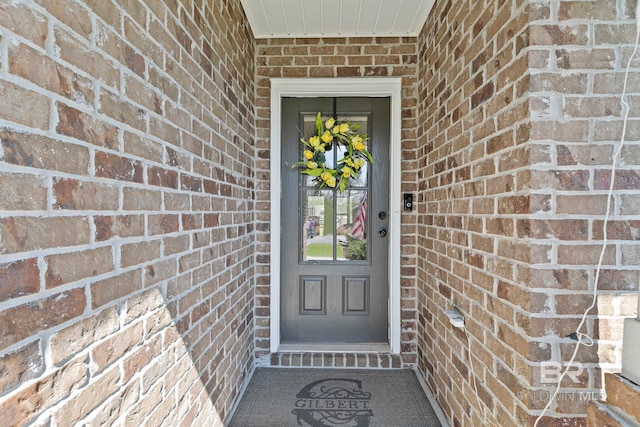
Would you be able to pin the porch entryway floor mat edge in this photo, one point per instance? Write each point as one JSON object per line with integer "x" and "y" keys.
{"x": 283, "y": 397}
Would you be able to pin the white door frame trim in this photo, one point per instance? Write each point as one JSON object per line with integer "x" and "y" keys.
{"x": 329, "y": 87}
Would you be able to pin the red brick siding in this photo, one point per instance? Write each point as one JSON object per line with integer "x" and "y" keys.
{"x": 515, "y": 139}
{"x": 335, "y": 57}
{"x": 126, "y": 211}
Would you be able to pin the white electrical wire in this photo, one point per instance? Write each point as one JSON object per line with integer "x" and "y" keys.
{"x": 579, "y": 335}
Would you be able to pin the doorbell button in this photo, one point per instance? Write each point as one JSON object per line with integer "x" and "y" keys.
{"x": 408, "y": 201}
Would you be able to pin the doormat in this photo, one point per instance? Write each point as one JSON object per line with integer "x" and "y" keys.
{"x": 334, "y": 398}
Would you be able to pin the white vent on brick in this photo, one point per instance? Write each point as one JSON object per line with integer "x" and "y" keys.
{"x": 336, "y": 18}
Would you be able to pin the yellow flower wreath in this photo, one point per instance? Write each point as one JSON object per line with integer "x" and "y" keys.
{"x": 350, "y": 166}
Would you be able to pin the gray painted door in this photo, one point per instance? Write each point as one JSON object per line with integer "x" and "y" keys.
{"x": 334, "y": 274}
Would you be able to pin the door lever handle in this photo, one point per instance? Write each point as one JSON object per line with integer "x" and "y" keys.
{"x": 382, "y": 232}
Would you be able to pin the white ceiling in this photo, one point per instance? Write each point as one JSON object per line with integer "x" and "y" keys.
{"x": 336, "y": 18}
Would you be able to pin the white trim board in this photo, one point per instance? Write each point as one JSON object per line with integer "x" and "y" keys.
{"x": 329, "y": 87}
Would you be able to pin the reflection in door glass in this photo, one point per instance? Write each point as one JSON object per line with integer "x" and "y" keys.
{"x": 351, "y": 225}
{"x": 318, "y": 242}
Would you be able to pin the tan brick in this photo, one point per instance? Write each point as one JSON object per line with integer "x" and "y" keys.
{"x": 553, "y": 35}
{"x": 19, "y": 278}
{"x": 116, "y": 346}
{"x": 155, "y": 370}
{"x": 50, "y": 75}
{"x": 121, "y": 110}
{"x": 79, "y": 125}
{"x": 29, "y": 233}
{"x": 141, "y": 304}
{"x": 162, "y": 177}
{"x": 137, "y": 199}
{"x": 109, "y": 227}
{"x": 601, "y": 10}
{"x": 20, "y": 366}
{"x": 116, "y": 405}
{"x": 23, "y": 106}
{"x": 115, "y": 167}
{"x": 14, "y": 15}
{"x": 139, "y": 413}
{"x": 136, "y": 35}
{"x": 77, "y": 337}
{"x": 138, "y": 90}
{"x": 624, "y": 179}
{"x": 548, "y": 82}
{"x": 598, "y": 415}
{"x": 69, "y": 267}
{"x": 37, "y": 151}
{"x": 108, "y": 290}
{"x": 572, "y": 180}
{"x": 573, "y": 229}
{"x": 160, "y": 413}
{"x": 175, "y": 245}
{"x": 25, "y": 320}
{"x": 84, "y": 195}
{"x": 585, "y": 255}
{"x": 24, "y": 405}
{"x": 584, "y": 205}
{"x": 139, "y": 253}
{"x": 142, "y": 147}
{"x": 163, "y": 224}
{"x": 70, "y": 14}
{"x": 622, "y": 394}
{"x": 158, "y": 321}
{"x": 630, "y": 203}
{"x": 81, "y": 55}
{"x": 22, "y": 192}
{"x": 585, "y": 59}
{"x": 106, "y": 11}
{"x": 89, "y": 398}
{"x": 159, "y": 272}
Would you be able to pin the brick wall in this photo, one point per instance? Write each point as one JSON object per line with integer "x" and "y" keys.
{"x": 335, "y": 57}
{"x": 621, "y": 406}
{"x": 126, "y": 211}
{"x": 518, "y": 117}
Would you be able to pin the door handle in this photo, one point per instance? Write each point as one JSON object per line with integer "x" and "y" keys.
{"x": 382, "y": 232}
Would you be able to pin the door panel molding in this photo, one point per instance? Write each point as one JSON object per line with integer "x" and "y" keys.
{"x": 321, "y": 87}
{"x": 355, "y": 296}
{"x": 313, "y": 295}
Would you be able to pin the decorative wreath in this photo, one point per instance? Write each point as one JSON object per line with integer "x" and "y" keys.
{"x": 350, "y": 166}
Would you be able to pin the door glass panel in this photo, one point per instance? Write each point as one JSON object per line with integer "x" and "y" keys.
{"x": 351, "y": 225}
{"x": 363, "y": 121}
{"x": 334, "y": 225}
{"x": 317, "y": 232}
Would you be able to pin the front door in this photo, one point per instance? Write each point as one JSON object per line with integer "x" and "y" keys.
{"x": 335, "y": 250}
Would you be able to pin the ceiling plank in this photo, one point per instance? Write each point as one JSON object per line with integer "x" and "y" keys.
{"x": 313, "y": 17}
{"x": 368, "y": 16}
{"x": 331, "y": 11}
{"x": 274, "y": 16}
{"x": 294, "y": 14}
{"x": 349, "y": 13}
{"x": 387, "y": 17}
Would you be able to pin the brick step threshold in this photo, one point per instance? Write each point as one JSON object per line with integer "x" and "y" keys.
{"x": 369, "y": 360}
